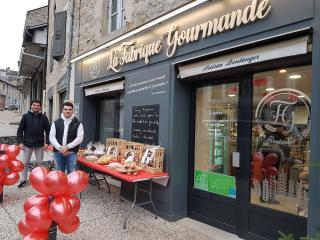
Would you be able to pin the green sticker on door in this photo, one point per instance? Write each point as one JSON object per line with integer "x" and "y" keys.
{"x": 215, "y": 183}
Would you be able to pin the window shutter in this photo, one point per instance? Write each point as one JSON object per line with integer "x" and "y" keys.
{"x": 59, "y": 37}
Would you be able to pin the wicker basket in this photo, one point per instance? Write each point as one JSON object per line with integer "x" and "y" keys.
{"x": 156, "y": 166}
{"x": 114, "y": 142}
{"x": 139, "y": 149}
{"x": 122, "y": 154}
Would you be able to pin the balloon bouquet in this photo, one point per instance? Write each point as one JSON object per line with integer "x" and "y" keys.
{"x": 9, "y": 166}
{"x": 55, "y": 205}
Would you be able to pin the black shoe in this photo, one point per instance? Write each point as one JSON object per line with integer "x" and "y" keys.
{"x": 22, "y": 184}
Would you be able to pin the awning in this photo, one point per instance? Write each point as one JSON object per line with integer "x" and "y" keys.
{"x": 32, "y": 56}
{"x": 108, "y": 87}
{"x": 255, "y": 55}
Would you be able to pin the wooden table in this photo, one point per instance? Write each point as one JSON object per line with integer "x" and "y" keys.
{"x": 141, "y": 177}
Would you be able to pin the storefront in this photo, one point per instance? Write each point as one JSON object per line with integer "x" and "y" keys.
{"x": 226, "y": 88}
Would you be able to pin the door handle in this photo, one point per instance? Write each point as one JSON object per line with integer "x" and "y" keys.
{"x": 236, "y": 159}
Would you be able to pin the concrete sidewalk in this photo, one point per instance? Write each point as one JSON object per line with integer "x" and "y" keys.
{"x": 7, "y": 117}
{"x": 102, "y": 216}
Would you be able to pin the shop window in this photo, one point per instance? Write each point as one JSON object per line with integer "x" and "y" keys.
{"x": 116, "y": 14}
{"x": 111, "y": 119}
{"x": 51, "y": 110}
{"x": 216, "y": 138}
{"x": 62, "y": 98}
{"x": 281, "y": 139}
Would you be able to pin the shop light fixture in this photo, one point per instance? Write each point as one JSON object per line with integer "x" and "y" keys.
{"x": 295, "y": 76}
{"x": 270, "y": 89}
{"x": 282, "y": 71}
{"x": 231, "y": 95}
{"x": 143, "y": 27}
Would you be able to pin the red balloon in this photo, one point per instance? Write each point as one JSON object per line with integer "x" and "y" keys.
{"x": 38, "y": 219}
{"x": 60, "y": 209}
{"x": 77, "y": 181}
{"x": 69, "y": 227}
{"x": 2, "y": 176}
{"x": 11, "y": 178}
{"x": 56, "y": 182}
{"x": 16, "y": 166}
{"x": 258, "y": 156}
{"x": 24, "y": 230}
{"x": 272, "y": 171}
{"x": 270, "y": 160}
{"x": 264, "y": 173}
{"x": 3, "y": 146}
{"x": 4, "y": 161}
{"x": 36, "y": 200}
{"x": 37, "y": 177}
{"x": 12, "y": 151}
{"x": 75, "y": 203}
{"x": 37, "y": 236}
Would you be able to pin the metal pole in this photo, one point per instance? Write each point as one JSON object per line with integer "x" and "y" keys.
{"x": 1, "y": 196}
{"x": 53, "y": 227}
{"x": 53, "y": 231}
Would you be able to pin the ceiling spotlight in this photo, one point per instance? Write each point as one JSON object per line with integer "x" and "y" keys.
{"x": 231, "y": 95}
{"x": 295, "y": 76}
{"x": 301, "y": 96}
{"x": 270, "y": 89}
{"x": 282, "y": 71}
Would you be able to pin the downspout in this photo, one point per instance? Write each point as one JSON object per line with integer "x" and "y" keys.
{"x": 46, "y": 54}
{"x": 69, "y": 46}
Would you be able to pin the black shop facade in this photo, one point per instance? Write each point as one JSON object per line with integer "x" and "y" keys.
{"x": 229, "y": 86}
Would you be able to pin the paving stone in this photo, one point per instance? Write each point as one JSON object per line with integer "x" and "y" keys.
{"x": 101, "y": 215}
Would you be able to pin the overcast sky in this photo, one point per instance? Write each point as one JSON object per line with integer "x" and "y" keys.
{"x": 12, "y": 19}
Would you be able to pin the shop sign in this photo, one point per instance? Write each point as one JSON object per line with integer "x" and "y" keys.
{"x": 171, "y": 40}
{"x": 109, "y": 87}
{"x": 255, "y": 55}
{"x": 216, "y": 183}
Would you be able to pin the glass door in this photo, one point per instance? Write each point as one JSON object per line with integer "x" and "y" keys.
{"x": 216, "y": 124}
{"x": 218, "y": 166}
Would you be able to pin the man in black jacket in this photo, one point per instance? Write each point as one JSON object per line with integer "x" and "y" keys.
{"x": 66, "y": 135}
{"x": 30, "y": 136}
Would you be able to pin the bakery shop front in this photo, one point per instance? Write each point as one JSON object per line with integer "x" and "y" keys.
{"x": 229, "y": 87}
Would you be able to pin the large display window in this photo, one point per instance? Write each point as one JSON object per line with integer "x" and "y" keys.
{"x": 111, "y": 117}
{"x": 281, "y": 139}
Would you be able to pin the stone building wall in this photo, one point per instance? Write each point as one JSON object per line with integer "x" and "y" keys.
{"x": 91, "y": 20}
{"x": 55, "y": 69}
{"x": 90, "y": 29}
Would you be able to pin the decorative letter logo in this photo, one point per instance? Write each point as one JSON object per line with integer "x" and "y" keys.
{"x": 94, "y": 69}
{"x": 279, "y": 109}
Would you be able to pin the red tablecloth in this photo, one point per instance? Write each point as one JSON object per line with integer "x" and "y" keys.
{"x": 142, "y": 175}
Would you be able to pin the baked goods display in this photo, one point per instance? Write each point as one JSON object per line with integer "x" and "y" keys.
{"x": 91, "y": 158}
{"x": 130, "y": 168}
{"x": 106, "y": 159}
{"x": 125, "y": 156}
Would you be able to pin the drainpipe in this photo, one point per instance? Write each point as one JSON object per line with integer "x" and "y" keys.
{"x": 69, "y": 46}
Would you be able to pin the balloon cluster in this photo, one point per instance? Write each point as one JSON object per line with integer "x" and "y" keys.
{"x": 264, "y": 166}
{"x": 55, "y": 203}
{"x": 9, "y": 165}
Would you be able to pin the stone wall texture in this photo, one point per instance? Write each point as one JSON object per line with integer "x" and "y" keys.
{"x": 90, "y": 29}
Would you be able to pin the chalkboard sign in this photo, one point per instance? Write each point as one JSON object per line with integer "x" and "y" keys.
{"x": 145, "y": 124}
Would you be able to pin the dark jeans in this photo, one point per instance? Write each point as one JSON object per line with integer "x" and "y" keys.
{"x": 68, "y": 162}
